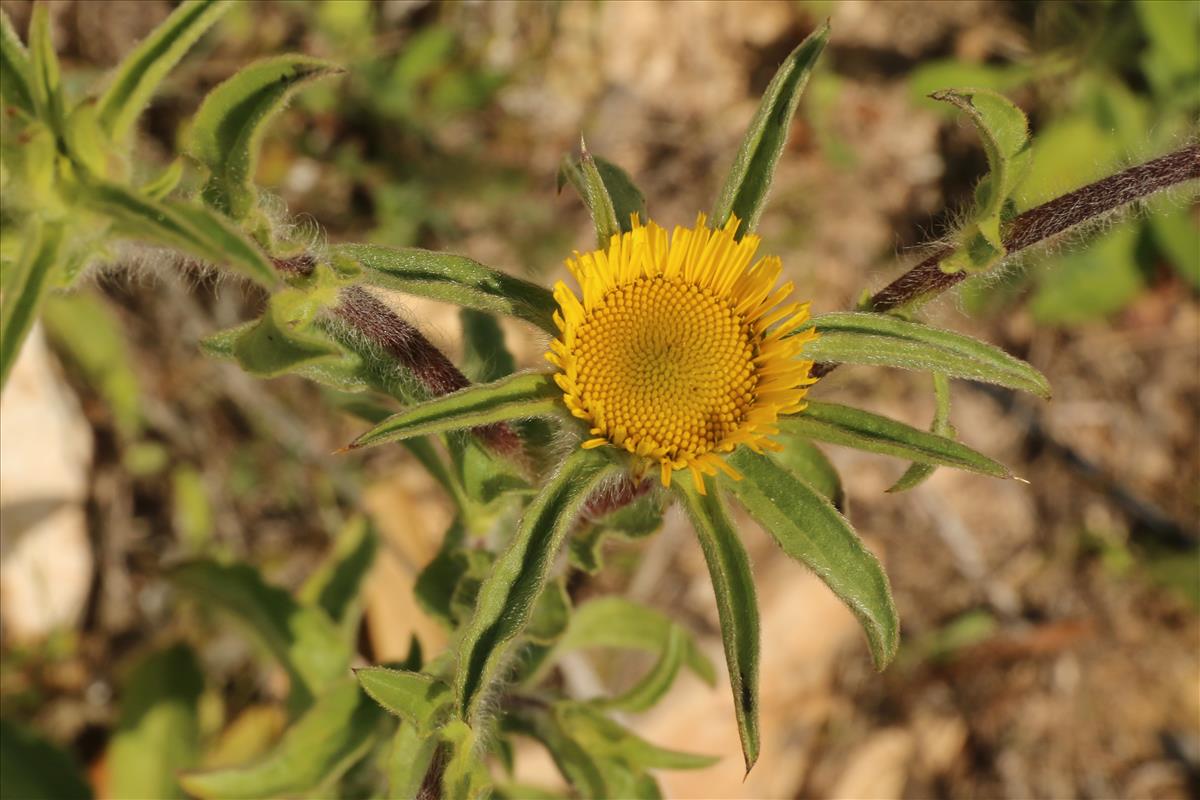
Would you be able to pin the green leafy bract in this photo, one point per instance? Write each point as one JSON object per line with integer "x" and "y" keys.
{"x": 17, "y": 87}
{"x": 485, "y": 358}
{"x": 304, "y": 640}
{"x": 416, "y": 698}
{"x": 182, "y": 225}
{"x": 745, "y": 191}
{"x": 810, "y": 530}
{"x": 507, "y": 596}
{"x": 326, "y": 741}
{"x": 140, "y": 73}
{"x": 454, "y": 279}
{"x": 737, "y": 603}
{"x": 25, "y": 290}
{"x": 229, "y": 126}
{"x": 887, "y": 341}
{"x": 852, "y": 427}
{"x": 158, "y": 733}
{"x": 1004, "y": 130}
{"x": 609, "y": 193}
{"x": 528, "y": 394}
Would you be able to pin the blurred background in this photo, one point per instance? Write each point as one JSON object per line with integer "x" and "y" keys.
{"x": 1051, "y": 640}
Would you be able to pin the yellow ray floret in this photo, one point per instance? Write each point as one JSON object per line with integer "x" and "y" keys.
{"x": 678, "y": 349}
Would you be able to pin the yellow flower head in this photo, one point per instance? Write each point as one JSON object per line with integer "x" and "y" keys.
{"x": 679, "y": 349}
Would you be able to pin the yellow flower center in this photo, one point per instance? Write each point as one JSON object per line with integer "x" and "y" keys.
{"x": 679, "y": 349}
{"x": 667, "y": 363}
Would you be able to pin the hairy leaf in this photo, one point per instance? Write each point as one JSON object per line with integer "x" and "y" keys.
{"x": 32, "y": 768}
{"x": 25, "y": 290}
{"x": 737, "y": 604}
{"x": 745, "y": 191}
{"x": 884, "y": 340}
{"x": 47, "y": 88}
{"x": 852, "y": 427}
{"x": 416, "y": 698}
{"x": 304, "y": 639}
{"x": 805, "y": 459}
{"x": 411, "y": 754}
{"x": 228, "y": 129}
{"x": 603, "y": 737}
{"x": 139, "y": 73}
{"x": 528, "y": 394}
{"x": 507, "y": 596}
{"x": 618, "y": 622}
{"x": 917, "y": 472}
{"x": 326, "y": 741}
{"x": 485, "y": 358}
{"x": 1004, "y": 130}
{"x": 454, "y": 279}
{"x": 466, "y": 776}
{"x": 181, "y": 225}
{"x": 16, "y": 89}
{"x": 655, "y": 683}
{"x": 336, "y": 585}
{"x": 809, "y": 529}
{"x": 625, "y": 198}
{"x": 158, "y": 733}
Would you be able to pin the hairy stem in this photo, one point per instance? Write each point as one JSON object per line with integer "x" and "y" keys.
{"x": 388, "y": 331}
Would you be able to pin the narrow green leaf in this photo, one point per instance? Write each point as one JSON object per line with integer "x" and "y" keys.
{"x": 485, "y": 358}
{"x": 576, "y": 764}
{"x": 25, "y": 289}
{"x": 551, "y": 614}
{"x": 228, "y": 129}
{"x": 737, "y": 604}
{"x": 336, "y": 585}
{"x": 411, "y": 754}
{"x": 466, "y": 776}
{"x": 302, "y": 638}
{"x": 507, "y": 596}
{"x": 884, "y": 340}
{"x": 745, "y": 191}
{"x": 852, "y": 427}
{"x": 917, "y": 472}
{"x": 607, "y": 739}
{"x": 182, "y": 225}
{"x": 805, "y": 459}
{"x": 621, "y": 623}
{"x": 596, "y": 197}
{"x": 1004, "y": 130}
{"x": 416, "y": 698}
{"x": 139, "y": 73}
{"x": 651, "y": 688}
{"x": 16, "y": 89}
{"x": 528, "y": 394}
{"x": 158, "y": 734}
{"x": 623, "y": 194}
{"x": 453, "y": 279}
{"x": 47, "y": 88}
{"x": 331, "y": 736}
{"x": 811, "y": 530}
{"x": 32, "y": 768}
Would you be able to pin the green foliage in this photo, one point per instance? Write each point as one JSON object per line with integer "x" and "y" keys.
{"x": 416, "y": 698}
{"x": 140, "y": 73}
{"x": 918, "y": 472}
{"x": 885, "y": 341}
{"x": 528, "y": 394}
{"x": 158, "y": 734}
{"x": 327, "y": 740}
{"x": 454, "y": 279}
{"x": 745, "y": 191}
{"x": 1005, "y": 134}
{"x": 809, "y": 529}
{"x": 609, "y": 193}
{"x": 852, "y": 427}
{"x": 34, "y": 769}
{"x": 228, "y": 129}
{"x": 737, "y": 604}
{"x": 17, "y": 87}
{"x": 515, "y": 581}
{"x": 25, "y": 287}
{"x": 808, "y": 463}
{"x": 303, "y": 638}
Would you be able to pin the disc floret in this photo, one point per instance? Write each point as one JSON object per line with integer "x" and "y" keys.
{"x": 678, "y": 348}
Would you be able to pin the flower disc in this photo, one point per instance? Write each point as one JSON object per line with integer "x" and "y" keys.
{"x": 679, "y": 350}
